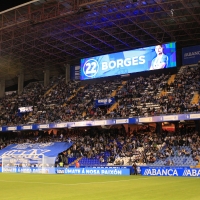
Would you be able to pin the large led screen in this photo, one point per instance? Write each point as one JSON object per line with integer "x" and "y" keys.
{"x": 138, "y": 60}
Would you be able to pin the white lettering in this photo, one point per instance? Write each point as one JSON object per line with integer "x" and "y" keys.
{"x": 119, "y": 172}
{"x": 153, "y": 172}
{"x": 135, "y": 61}
{"x": 159, "y": 172}
{"x": 104, "y": 66}
{"x": 164, "y": 172}
{"x": 119, "y": 63}
{"x": 170, "y": 170}
{"x": 191, "y": 54}
{"x": 194, "y": 172}
{"x": 127, "y": 62}
{"x": 175, "y": 173}
{"x": 112, "y": 64}
{"x": 141, "y": 60}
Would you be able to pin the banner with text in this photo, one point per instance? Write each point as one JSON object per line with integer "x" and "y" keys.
{"x": 190, "y": 55}
{"x": 30, "y": 153}
{"x": 95, "y": 171}
{"x": 83, "y": 171}
{"x": 104, "y": 102}
{"x": 170, "y": 171}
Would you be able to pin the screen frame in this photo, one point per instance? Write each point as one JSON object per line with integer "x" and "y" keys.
{"x": 88, "y": 78}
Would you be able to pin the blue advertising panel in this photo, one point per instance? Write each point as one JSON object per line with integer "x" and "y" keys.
{"x": 46, "y": 170}
{"x": 85, "y": 171}
{"x": 138, "y": 60}
{"x": 135, "y": 120}
{"x": 104, "y": 102}
{"x": 144, "y": 170}
{"x": 190, "y": 55}
{"x": 96, "y": 171}
{"x": 170, "y": 171}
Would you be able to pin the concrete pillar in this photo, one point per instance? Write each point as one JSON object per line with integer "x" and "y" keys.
{"x": 20, "y": 83}
{"x": 2, "y": 88}
{"x": 176, "y": 124}
{"x": 159, "y": 127}
{"x": 67, "y": 73}
{"x": 197, "y": 126}
{"x": 46, "y": 77}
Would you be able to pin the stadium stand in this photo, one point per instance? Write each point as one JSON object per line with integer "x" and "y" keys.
{"x": 116, "y": 146}
{"x": 141, "y": 96}
{"x": 144, "y": 94}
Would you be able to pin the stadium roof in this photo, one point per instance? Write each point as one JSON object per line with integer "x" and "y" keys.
{"x": 51, "y": 33}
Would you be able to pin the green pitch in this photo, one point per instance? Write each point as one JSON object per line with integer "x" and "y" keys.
{"x": 85, "y": 187}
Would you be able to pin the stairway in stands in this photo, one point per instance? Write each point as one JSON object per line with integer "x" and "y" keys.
{"x": 48, "y": 91}
{"x": 119, "y": 88}
{"x": 74, "y": 95}
{"x": 84, "y": 113}
{"x": 51, "y": 86}
{"x": 170, "y": 80}
{"x": 114, "y": 106}
{"x": 195, "y": 98}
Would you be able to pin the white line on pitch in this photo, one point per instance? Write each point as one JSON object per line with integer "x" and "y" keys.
{"x": 5, "y": 181}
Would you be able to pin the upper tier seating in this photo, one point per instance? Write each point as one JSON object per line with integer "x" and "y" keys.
{"x": 141, "y": 96}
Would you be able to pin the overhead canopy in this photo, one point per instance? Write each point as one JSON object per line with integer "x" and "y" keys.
{"x": 54, "y": 33}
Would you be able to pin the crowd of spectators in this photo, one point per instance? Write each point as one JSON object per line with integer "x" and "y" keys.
{"x": 141, "y": 96}
{"x": 30, "y": 97}
{"x": 116, "y": 146}
{"x": 186, "y": 83}
{"x": 27, "y": 137}
{"x": 97, "y": 91}
{"x": 10, "y": 104}
{"x": 57, "y": 106}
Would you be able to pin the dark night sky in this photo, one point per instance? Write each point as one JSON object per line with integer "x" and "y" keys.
{"x": 6, "y": 4}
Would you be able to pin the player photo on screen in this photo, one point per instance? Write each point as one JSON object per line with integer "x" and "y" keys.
{"x": 161, "y": 60}
{"x": 156, "y": 57}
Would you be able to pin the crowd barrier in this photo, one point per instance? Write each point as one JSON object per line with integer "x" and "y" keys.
{"x": 136, "y": 120}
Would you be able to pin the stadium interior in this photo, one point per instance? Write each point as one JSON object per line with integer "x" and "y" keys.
{"x": 99, "y": 87}
{"x": 143, "y": 118}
